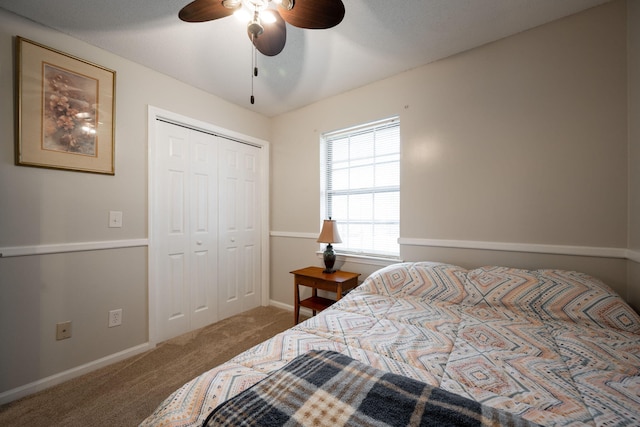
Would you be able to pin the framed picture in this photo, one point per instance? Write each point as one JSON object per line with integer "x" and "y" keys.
{"x": 65, "y": 111}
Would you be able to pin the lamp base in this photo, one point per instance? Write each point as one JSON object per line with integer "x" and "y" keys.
{"x": 329, "y": 257}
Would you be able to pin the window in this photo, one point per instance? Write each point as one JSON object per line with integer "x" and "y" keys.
{"x": 360, "y": 179}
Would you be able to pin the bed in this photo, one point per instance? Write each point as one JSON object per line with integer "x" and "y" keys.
{"x": 547, "y": 347}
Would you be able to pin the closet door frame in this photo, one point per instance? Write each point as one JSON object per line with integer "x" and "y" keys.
{"x": 155, "y": 114}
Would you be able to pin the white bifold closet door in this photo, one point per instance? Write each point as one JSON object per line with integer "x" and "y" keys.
{"x": 206, "y": 233}
{"x": 239, "y": 248}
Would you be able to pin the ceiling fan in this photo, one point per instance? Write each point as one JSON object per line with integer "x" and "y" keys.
{"x": 266, "y": 23}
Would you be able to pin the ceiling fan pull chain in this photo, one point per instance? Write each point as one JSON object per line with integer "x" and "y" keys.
{"x": 254, "y": 60}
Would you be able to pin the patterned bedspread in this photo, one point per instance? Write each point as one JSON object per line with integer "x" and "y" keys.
{"x": 555, "y": 347}
{"x": 325, "y": 388}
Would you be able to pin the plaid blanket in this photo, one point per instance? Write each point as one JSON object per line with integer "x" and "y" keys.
{"x": 325, "y": 388}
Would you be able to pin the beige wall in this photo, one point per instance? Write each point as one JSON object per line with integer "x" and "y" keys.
{"x": 521, "y": 141}
{"x": 48, "y": 207}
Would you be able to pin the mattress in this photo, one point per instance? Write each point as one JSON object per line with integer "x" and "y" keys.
{"x": 553, "y": 347}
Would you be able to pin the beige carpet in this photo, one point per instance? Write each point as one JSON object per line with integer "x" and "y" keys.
{"x": 126, "y": 392}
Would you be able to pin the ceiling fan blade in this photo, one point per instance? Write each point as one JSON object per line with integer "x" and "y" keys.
{"x": 314, "y": 14}
{"x": 205, "y": 10}
{"x": 272, "y": 40}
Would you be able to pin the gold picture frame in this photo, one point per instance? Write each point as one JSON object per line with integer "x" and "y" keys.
{"x": 65, "y": 111}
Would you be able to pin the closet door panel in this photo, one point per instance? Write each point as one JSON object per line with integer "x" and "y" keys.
{"x": 251, "y": 227}
{"x": 203, "y": 211}
{"x": 240, "y": 227}
{"x": 172, "y": 237}
{"x": 230, "y": 193}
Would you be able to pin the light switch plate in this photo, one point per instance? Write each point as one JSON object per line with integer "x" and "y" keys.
{"x": 115, "y": 219}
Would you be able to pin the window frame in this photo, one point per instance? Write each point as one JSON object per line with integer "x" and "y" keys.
{"x": 326, "y": 193}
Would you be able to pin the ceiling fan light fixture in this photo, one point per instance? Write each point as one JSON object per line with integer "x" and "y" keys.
{"x": 254, "y": 27}
{"x": 286, "y": 4}
{"x": 242, "y": 15}
{"x": 267, "y": 17}
{"x": 258, "y": 5}
{"x": 232, "y": 4}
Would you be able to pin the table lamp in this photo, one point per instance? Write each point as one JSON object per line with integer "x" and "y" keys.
{"x": 329, "y": 234}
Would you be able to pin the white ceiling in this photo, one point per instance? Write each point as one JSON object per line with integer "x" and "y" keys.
{"x": 376, "y": 39}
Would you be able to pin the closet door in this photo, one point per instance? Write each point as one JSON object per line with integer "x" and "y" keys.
{"x": 185, "y": 229}
{"x": 239, "y": 227}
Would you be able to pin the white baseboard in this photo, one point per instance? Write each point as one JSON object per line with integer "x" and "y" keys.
{"x": 45, "y": 383}
{"x": 281, "y": 305}
{"x": 303, "y": 310}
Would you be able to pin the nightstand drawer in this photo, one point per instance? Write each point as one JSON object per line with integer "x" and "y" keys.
{"x": 316, "y": 283}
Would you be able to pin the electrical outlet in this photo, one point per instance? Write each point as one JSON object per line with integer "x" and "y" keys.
{"x": 63, "y": 330}
{"x": 115, "y": 318}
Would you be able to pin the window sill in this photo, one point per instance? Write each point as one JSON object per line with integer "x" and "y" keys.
{"x": 364, "y": 259}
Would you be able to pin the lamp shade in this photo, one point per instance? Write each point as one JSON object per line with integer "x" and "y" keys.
{"x": 329, "y": 232}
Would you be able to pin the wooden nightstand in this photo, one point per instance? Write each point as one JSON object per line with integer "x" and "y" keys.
{"x": 313, "y": 277}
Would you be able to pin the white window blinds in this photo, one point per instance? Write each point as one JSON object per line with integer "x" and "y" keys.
{"x": 361, "y": 186}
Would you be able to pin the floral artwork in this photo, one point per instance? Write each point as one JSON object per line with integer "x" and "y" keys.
{"x": 69, "y": 111}
{"x": 65, "y": 111}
